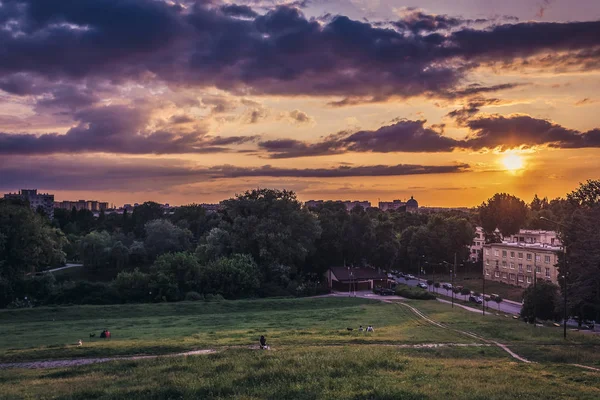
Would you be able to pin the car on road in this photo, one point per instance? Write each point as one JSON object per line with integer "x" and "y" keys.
{"x": 475, "y": 299}
{"x": 422, "y": 285}
{"x": 447, "y": 286}
{"x": 408, "y": 277}
{"x": 387, "y": 292}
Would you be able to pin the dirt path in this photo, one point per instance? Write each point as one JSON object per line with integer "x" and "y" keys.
{"x": 86, "y": 361}
{"x": 470, "y": 334}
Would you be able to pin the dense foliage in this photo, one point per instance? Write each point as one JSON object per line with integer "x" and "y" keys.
{"x": 266, "y": 243}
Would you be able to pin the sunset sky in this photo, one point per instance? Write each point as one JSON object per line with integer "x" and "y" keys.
{"x": 449, "y": 101}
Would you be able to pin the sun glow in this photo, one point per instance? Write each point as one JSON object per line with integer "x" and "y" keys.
{"x": 512, "y": 162}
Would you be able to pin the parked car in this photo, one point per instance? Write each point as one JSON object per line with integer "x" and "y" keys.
{"x": 422, "y": 285}
{"x": 475, "y": 299}
{"x": 447, "y": 286}
{"x": 400, "y": 274}
{"x": 408, "y": 277}
{"x": 377, "y": 290}
{"x": 386, "y": 292}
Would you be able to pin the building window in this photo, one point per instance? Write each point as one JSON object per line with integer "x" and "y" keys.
{"x": 528, "y": 279}
{"x": 487, "y": 272}
{"x": 547, "y": 272}
{"x": 529, "y": 256}
{"x": 497, "y": 274}
{"x": 547, "y": 259}
{"x": 504, "y": 253}
{"x": 520, "y": 255}
{"x": 512, "y": 254}
{"x": 512, "y": 265}
{"x": 538, "y": 270}
{"x": 504, "y": 275}
{"x": 538, "y": 258}
{"x": 520, "y": 278}
{"x": 520, "y": 267}
{"x": 496, "y": 252}
{"x": 503, "y": 264}
{"x": 512, "y": 277}
{"x": 487, "y": 261}
{"x": 528, "y": 268}
{"x": 487, "y": 252}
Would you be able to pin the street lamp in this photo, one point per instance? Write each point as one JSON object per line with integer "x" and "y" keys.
{"x": 564, "y": 276}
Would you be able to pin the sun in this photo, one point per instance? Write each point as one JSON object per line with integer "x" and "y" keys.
{"x": 512, "y": 162}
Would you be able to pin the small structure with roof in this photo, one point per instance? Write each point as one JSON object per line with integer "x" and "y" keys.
{"x": 345, "y": 279}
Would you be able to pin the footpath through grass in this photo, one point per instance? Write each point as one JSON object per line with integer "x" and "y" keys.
{"x": 305, "y": 372}
{"x": 51, "y": 333}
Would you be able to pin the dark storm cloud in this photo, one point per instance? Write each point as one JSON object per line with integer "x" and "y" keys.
{"x": 491, "y": 132}
{"x": 402, "y": 136}
{"x": 280, "y": 52}
{"x": 133, "y": 174}
{"x": 119, "y": 129}
{"x": 522, "y": 130}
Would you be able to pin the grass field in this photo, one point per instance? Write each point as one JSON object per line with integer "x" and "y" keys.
{"x": 313, "y": 354}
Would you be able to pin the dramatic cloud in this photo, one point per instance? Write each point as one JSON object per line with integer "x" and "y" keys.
{"x": 135, "y": 174}
{"x": 120, "y": 129}
{"x": 279, "y": 52}
{"x": 492, "y": 132}
{"x": 522, "y": 130}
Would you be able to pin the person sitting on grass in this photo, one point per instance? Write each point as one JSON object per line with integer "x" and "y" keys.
{"x": 360, "y": 328}
{"x": 370, "y": 329}
{"x": 263, "y": 342}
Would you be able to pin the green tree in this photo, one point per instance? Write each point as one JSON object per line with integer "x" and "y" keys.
{"x": 179, "y": 268}
{"x": 541, "y": 301}
{"x": 216, "y": 244}
{"x": 27, "y": 241}
{"x": 273, "y": 227}
{"x": 236, "y": 276}
{"x": 194, "y": 218}
{"x": 465, "y": 292}
{"x": 119, "y": 255}
{"x": 142, "y": 214}
{"x": 505, "y": 212}
{"x": 436, "y": 285}
{"x": 133, "y": 286}
{"x": 498, "y": 300}
{"x": 329, "y": 246}
{"x": 586, "y": 195}
{"x": 95, "y": 250}
{"x": 164, "y": 237}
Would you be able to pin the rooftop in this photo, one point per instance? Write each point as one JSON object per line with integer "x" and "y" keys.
{"x": 522, "y": 245}
{"x": 347, "y": 274}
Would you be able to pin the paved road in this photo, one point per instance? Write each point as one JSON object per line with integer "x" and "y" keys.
{"x": 65, "y": 267}
{"x": 505, "y": 306}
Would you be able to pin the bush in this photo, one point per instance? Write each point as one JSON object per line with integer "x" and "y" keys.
{"x": 132, "y": 286}
{"x": 84, "y": 292}
{"x": 213, "y": 297}
{"x": 193, "y": 296}
{"x": 413, "y": 293}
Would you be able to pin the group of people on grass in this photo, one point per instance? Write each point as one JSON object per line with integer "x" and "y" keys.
{"x": 369, "y": 328}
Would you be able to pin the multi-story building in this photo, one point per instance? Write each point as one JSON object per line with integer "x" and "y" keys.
{"x": 391, "y": 205}
{"x": 349, "y": 204}
{"x": 211, "y": 208}
{"x": 91, "y": 205}
{"x": 476, "y": 247}
{"x": 36, "y": 200}
{"x": 515, "y": 262}
{"x": 410, "y": 206}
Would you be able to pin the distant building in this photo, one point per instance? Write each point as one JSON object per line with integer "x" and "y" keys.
{"x": 410, "y": 206}
{"x": 36, "y": 200}
{"x": 392, "y": 205}
{"x": 90, "y": 205}
{"x": 476, "y": 247}
{"x": 349, "y": 204}
{"x": 514, "y": 260}
{"x": 211, "y": 208}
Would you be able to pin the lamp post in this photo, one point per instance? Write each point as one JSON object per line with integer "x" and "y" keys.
{"x": 483, "y": 291}
{"x": 564, "y": 276}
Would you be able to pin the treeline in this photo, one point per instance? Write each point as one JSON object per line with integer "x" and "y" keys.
{"x": 262, "y": 243}
{"x": 266, "y": 243}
